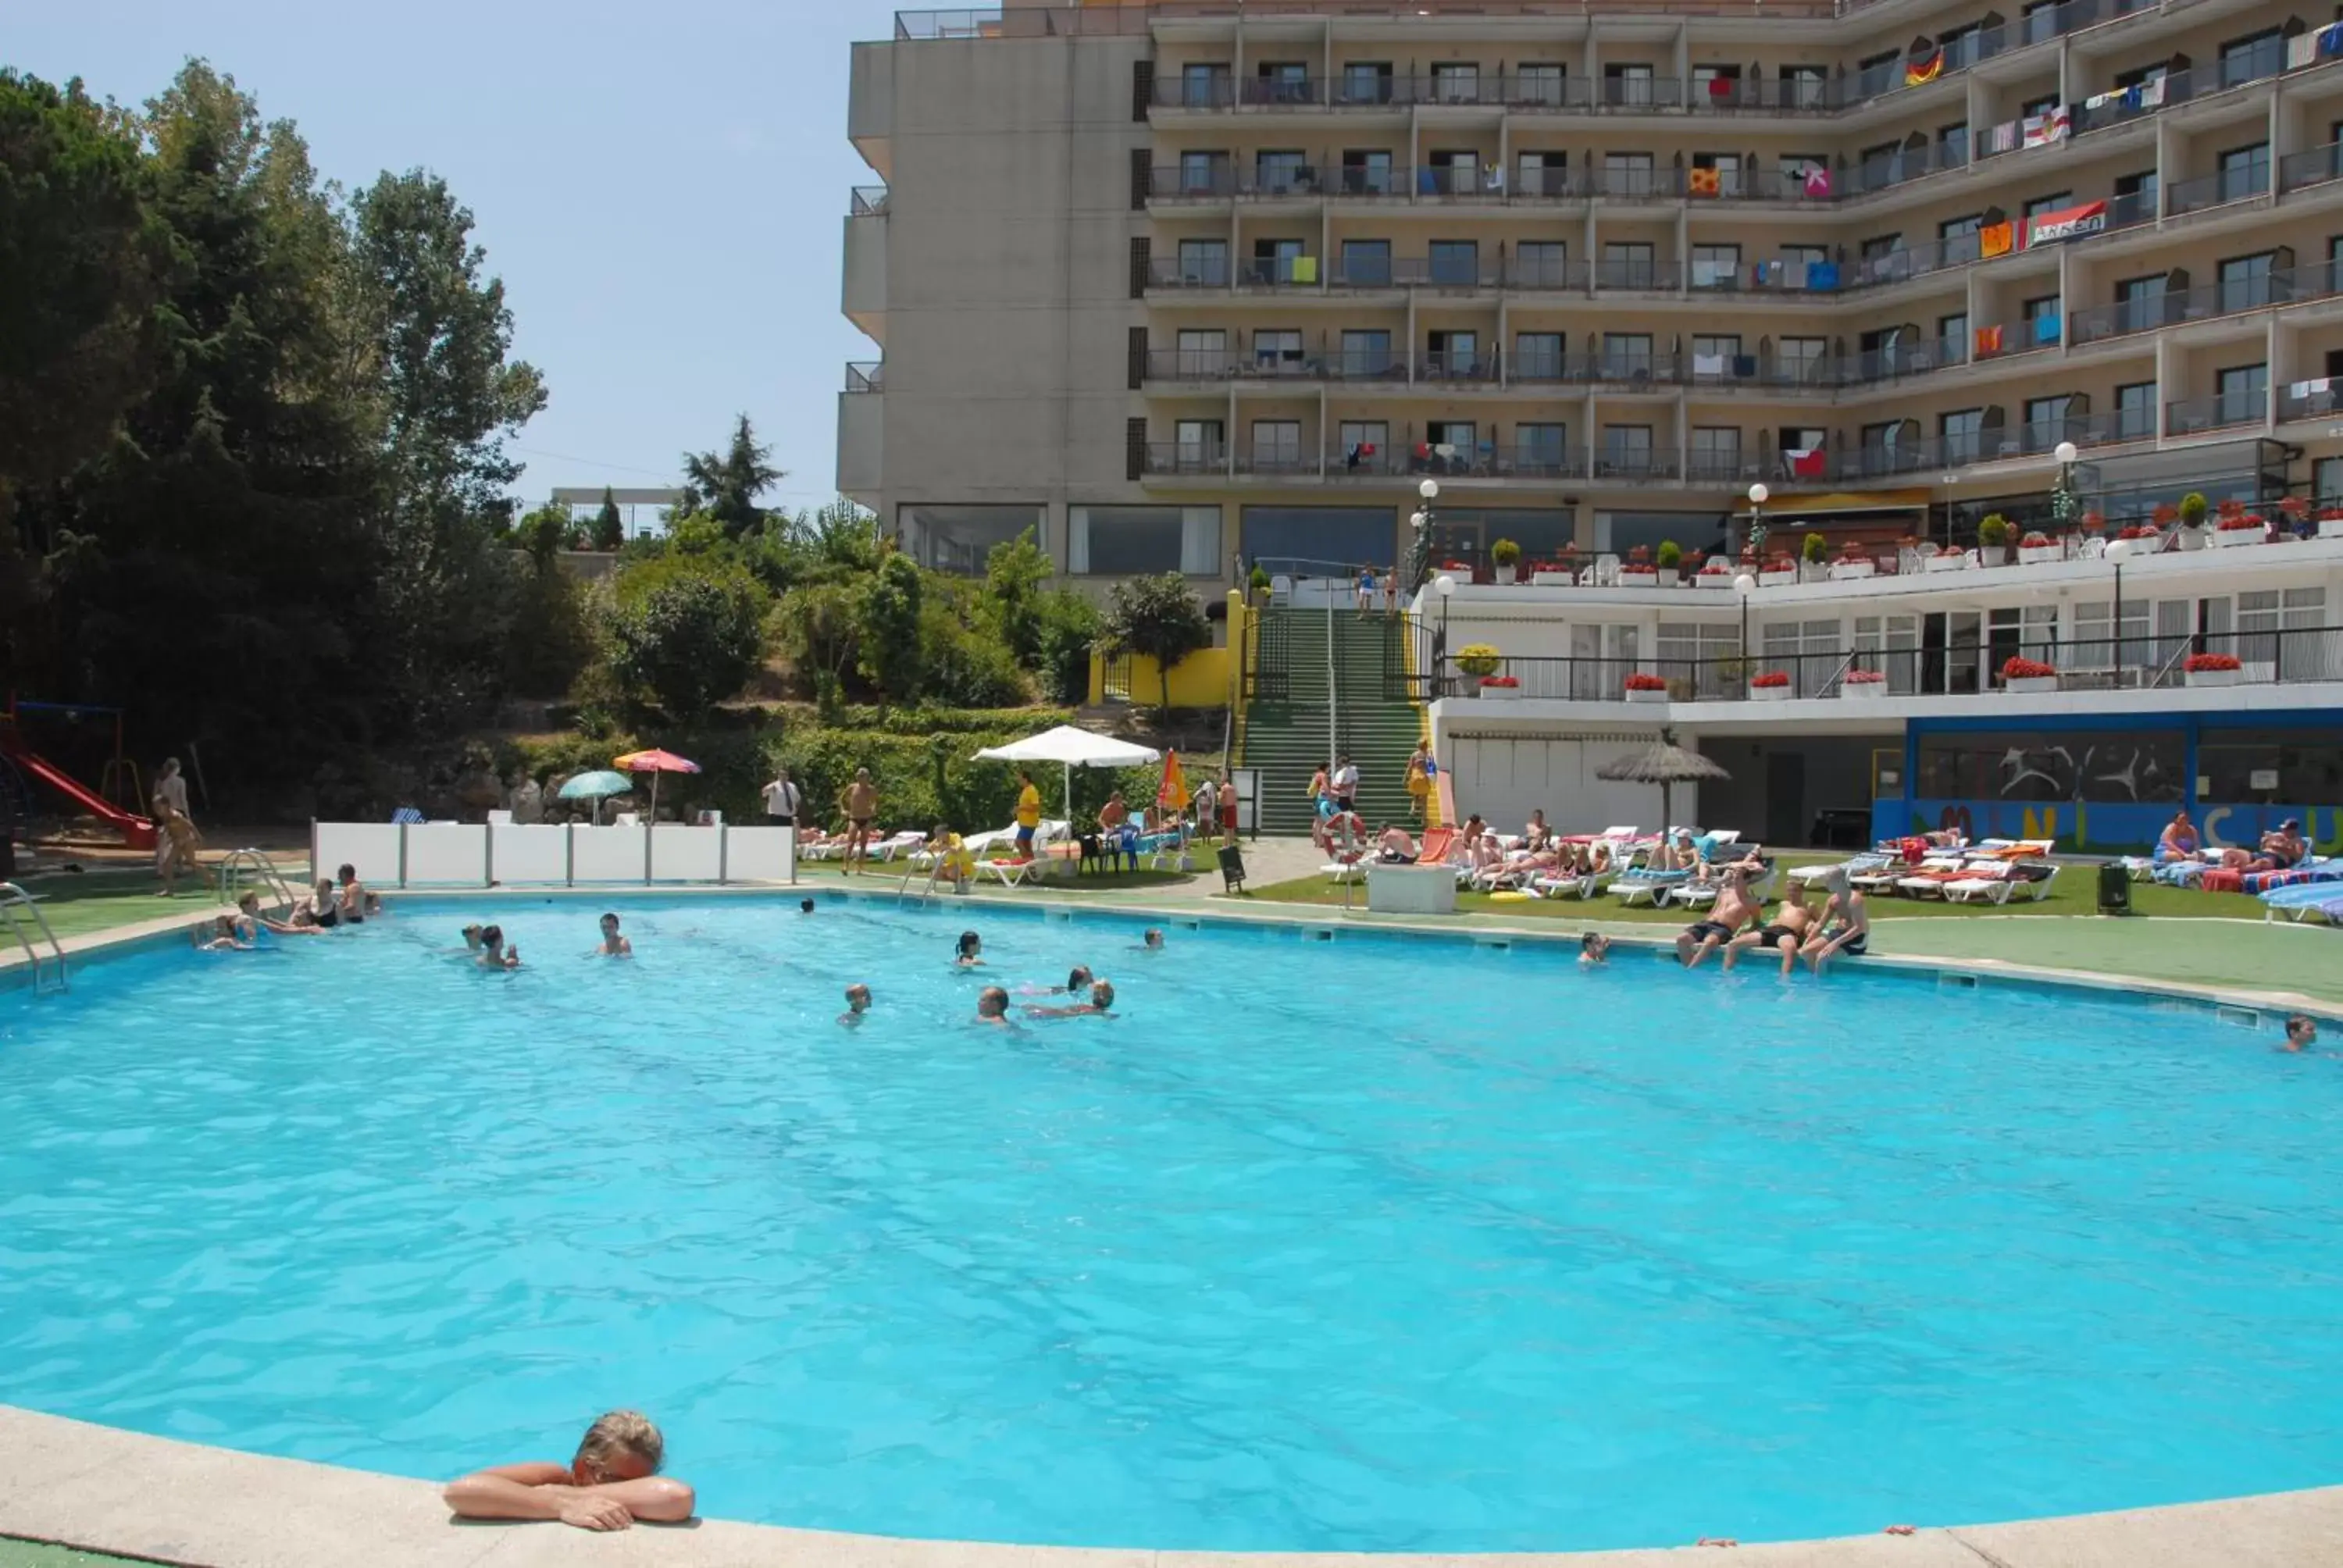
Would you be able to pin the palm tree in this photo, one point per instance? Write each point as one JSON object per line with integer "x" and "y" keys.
{"x": 726, "y": 487}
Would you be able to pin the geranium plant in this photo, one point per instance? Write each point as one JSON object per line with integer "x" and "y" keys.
{"x": 1639, "y": 569}
{"x": 1770, "y": 678}
{"x": 1507, "y": 681}
{"x": 2034, "y": 540}
{"x": 2294, "y": 509}
{"x": 1640, "y": 683}
{"x": 2138, "y": 531}
{"x": 1716, "y": 567}
{"x": 1866, "y": 677}
{"x": 2095, "y": 522}
{"x": 2025, "y": 669}
{"x": 2241, "y": 522}
{"x": 2166, "y": 514}
{"x": 2197, "y": 663}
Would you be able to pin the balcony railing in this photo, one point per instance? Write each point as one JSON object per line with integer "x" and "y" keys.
{"x": 866, "y": 375}
{"x": 869, "y": 201}
{"x": 2319, "y": 399}
{"x": 2219, "y": 189}
{"x": 1530, "y": 92}
{"x": 2300, "y": 170}
{"x": 2221, "y": 411}
{"x": 1185, "y": 457}
{"x": 2286, "y": 286}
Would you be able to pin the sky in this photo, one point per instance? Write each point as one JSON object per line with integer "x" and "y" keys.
{"x": 662, "y": 187}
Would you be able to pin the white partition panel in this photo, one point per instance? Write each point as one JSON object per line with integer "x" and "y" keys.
{"x": 535, "y": 854}
{"x": 607, "y": 854}
{"x": 761, "y": 855}
{"x": 682, "y": 853}
{"x": 371, "y": 846}
{"x": 448, "y": 854}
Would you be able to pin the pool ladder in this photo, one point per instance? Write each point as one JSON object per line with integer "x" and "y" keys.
{"x": 48, "y": 970}
{"x": 263, "y": 873}
{"x": 935, "y": 869}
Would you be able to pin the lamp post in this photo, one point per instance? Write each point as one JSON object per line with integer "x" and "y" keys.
{"x": 1745, "y": 585}
{"x": 2118, "y": 551}
{"x": 2062, "y": 494}
{"x": 1420, "y": 550}
{"x": 1443, "y": 584}
{"x": 1758, "y": 496}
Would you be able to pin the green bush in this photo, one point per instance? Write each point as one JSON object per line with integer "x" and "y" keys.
{"x": 1671, "y": 555}
{"x": 889, "y": 621}
{"x": 1506, "y": 553}
{"x": 1814, "y": 548}
{"x": 1070, "y": 626}
{"x": 551, "y": 640}
{"x": 2193, "y": 508}
{"x": 686, "y": 630}
{"x": 1993, "y": 532}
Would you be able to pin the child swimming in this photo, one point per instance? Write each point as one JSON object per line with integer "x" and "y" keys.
{"x": 1102, "y": 998}
{"x": 969, "y": 954}
{"x": 858, "y": 1005}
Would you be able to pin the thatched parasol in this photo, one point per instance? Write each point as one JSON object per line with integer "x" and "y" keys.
{"x": 1665, "y": 764}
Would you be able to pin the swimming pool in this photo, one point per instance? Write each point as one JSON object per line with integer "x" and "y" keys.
{"x": 1373, "y": 1244}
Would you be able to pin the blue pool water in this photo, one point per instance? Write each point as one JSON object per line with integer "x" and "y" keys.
{"x": 1375, "y": 1243}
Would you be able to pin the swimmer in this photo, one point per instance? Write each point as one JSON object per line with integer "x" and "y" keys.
{"x": 613, "y": 1480}
{"x": 494, "y": 954}
{"x": 1102, "y": 998}
{"x": 472, "y": 939}
{"x": 219, "y": 937}
{"x": 805, "y": 906}
{"x": 354, "y": 899}
{"x": 250, "y": 922}
{"x": 614, "y": 946}
{"x": 992, "y": 1006}
{"x": 2300, "y": 1031}
{"x": 1152, "y": 941}
{"x": 970, "y": 953}
{"x": 321, "y": 908}
{"x": 858, "y": 1002}
{"x": 1077, "y": 979}
{"x": 1593, "y": 949}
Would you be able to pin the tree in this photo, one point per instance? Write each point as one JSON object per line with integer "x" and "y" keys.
{"x": 1015, "y": 573}
{"x": 890, "y": 627}
{"x": 726, "y": 487}
{"x": 689, "y": 630}
{"x": 1160, "y": 618}
{"x": 609, "y": 529}
{"x": 1068, "y": 628}
{"x": 544, "y": 531}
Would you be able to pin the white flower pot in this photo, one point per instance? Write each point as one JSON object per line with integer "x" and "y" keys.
{"x": 2021, "y": 685}
{"x": 1638, "y": 580}
{"x": 2039, "y": 555}
{"x": 1552, "y": 579}
{"x": 1945, "y": 561}
{"x": 2213, "y": 677}
{"x": 2230, "y": 539}
{"x": 1635, "y": 694}
{"x": 1772, "y": 693}
{"x": 1669, "y": 576}
{"x": 1863, "y": 690}
{"x": 1813, "y": 571}
{"x": 1851, "y": 571}
{"x": 2192, "y": 539}
{"x": 1501, "y": 693}
{"x": 1724, "y": 579}
{"x": 1993, "y": 554}
{"x": 2330, "y": 528}
{"x": 1775, "y": 580}
{"x": 1505, "y": 573}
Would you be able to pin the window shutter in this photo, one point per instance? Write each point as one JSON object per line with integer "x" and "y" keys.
{"x": 1137, "y": 357}
{"x": 1134, "y": 447}
{"x": 1142, "y": 88}
{"x": 1143, "y": 253}
{"x": 1141, "y": 176}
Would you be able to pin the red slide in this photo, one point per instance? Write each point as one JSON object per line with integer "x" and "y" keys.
{"x": 137, "y": 831}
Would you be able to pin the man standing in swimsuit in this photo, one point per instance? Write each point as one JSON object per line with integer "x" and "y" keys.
{"x": 861, "y": 807}
{"x": 1735, "y": 909}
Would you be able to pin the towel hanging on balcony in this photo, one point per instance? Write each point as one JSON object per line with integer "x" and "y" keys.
{"x": 2049, "y": 126}
{"x": 1703, "y": 182}
{"x": 1807, "y": 462}
{"x": 1821, "y": 277}
{"x": 2046, "y": 329}
{"x": 1996, "y": 239}
{"x": 1817, "y": 183}
{"x": 2330, "y": 39}
{"x": 1988, "y": 341}
{"x": 1305, "y": 269}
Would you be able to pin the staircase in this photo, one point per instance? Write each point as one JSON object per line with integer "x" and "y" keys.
{"x": 1287, "y": 736}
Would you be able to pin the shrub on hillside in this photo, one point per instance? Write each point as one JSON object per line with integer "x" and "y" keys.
{"x": 687, "y": 631}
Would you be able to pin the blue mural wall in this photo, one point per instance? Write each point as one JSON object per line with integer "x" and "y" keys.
{"x": 2109, "y": 825}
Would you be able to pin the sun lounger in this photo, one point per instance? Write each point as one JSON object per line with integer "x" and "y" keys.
{"x": 2309, "y": 872}
{"x": 1583, "y": 886}
{"x": 1017, "y": 872}
{"x": 2302, "y": 900}
{"x": 1632, "y": 886}
{"x": 1854, "y": 866}
{"x": 2022, "y": 880}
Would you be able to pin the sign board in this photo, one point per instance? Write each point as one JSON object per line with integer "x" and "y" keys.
{"x": 1248, "y": 783}
{"x": 2262, "y": 779}
{"x": 2067, "y": 222}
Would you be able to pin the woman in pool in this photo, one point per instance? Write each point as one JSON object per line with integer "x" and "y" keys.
{"x": 1102, "y": 998}
{"x": 612, "y": 1482}
{"x": 1078, "y": 979}
{"x": 614, "y": 946}
{"x": 970, "y": 953}
{"x": 1593, "y": 949}
{"x": 494, "y": 954}
{"x": 250, "y": 922}
{"x": 321, "y": 910}
{"x": 219, "y": 937}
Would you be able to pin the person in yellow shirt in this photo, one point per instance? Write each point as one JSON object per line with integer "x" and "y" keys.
{"x": 1029, "y": 814}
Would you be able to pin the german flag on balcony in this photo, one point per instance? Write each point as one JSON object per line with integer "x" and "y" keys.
{"x": 1700, "y": 182}
{"x": 1923, "y": 63}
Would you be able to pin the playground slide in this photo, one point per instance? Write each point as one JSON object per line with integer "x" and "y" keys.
{"x": 137, "y": 831}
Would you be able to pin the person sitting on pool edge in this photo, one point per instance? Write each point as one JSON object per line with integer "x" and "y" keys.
{"x": 614, "y": 946}
{"x": 857, "y": 1003}
{"x": 1845, "y": 926}
{"x": 1102, "y": 998}
{"x": 1735, "y": 909}
{"x": 992, "y": 1006}
{"x": 1792, "y": 927}
{"x": 612, "y": 1482}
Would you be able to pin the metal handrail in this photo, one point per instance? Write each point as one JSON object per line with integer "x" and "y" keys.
{"x": 269, "y": 875}
{"x": 15, "y": 904}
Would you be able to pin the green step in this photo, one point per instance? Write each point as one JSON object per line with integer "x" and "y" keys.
{"x": 1286, "y": 741}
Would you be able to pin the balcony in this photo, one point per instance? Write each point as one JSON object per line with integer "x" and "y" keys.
{"x": 2319, "y": 399}
{"x": 866, "y": 375}
{"x": 1634, "y": 466}
{"x": 2318, "y": 166}
{"x": 2242, "y": 184}
{"x": 863, "y": 276}
{"x": 2289, "y": 286}
{"x": 2221, "y": 411}
{"x": 868, "y": 201}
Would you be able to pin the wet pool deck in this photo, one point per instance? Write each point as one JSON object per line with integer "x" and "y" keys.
{"x": 154, "y": 1499}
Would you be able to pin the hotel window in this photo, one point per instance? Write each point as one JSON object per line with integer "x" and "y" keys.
{"x": 2046, "y": 422}
{"x": 1366, "y": 172}
{"x": 1455, "y": 82}
{"x": 1716, "y": 451}
{"x": 1454, "y": 353}
{"x": 1542, "y": 449}
{"x": 1366, "y": 352}
{"x": 1283, "y": 82}
{"x": 1277, "y": 349}
{"x": 2038, "y": 20}
{"x": 1716, "y": 346}
{"x": 2141, "y": 75}
{"x": 1542, "y": 174}
{"x": 1366, "y": 82}
{"x": 2244, "y": 171}
{"x": 1953, "y": 338}
{"x": 1539, "y": 84}
{"x": 1715, "y": 266}
{"x": 1881, "y": 246}
{"x": 2134, "y": 199}
{"x": 1204, "y": 86}
{"x": 1460, "y": 435}
{"x": 1879, "y": 74}
{"x": 1627, "y": 448}
{"x": 2245, "y": 281}
{"x": 1199, "y": 444}
{"x": 1627, "y": 84}
{"x": 1276, "y": 446}
{"x": 1957, "y": 238}
{"x": 1366, "y": 263}
{"x": 1626, "y": 353}
{"x": 2135, "y": 411}
{"x": 1455, "y": 263}
{"x": 2041, "y": 205}
{"x": 2327, "y": 480}
{"x": 1715, "y": 85}
{"x": 1628, "y": 175}
{"x": 2041, "y": 106}
{"x": 1963, "y": 434}
{"x": 1204, "y": 263}
{"x": 1355, "y": 436}
{"x": 1891, "y": 643}
{"x": 1803, "y": 361}
{"x": 1129, "y": 541}
{"x": 1628, "y": 264}
{"x": 2243, "y": 393}
{"x": 1953, "y": 145}
{"x": 1541, "y": 264}
{"x": 1960, "y": 46}
{"x": 1205, "y": 174}
{"x": 2250, "y": 58}
{"x": 1537, "y": 356}
{"x": 1277, "y": 170}
{"x": 1203, "y": 353}
{"x": 2140, "y": 302}
{"x": 1805, "y": 86}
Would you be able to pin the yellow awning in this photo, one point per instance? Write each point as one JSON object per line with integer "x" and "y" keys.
{"x": 1846, "y": 501}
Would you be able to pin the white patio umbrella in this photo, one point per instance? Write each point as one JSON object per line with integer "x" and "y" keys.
{"x": 1071, "y": 749}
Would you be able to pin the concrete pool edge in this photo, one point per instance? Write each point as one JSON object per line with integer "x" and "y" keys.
{"x": 103, "y": 1489}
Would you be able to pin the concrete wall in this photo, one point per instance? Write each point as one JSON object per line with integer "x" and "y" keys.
{"x": 1505, "y": 777}
{"x": 862, "y": 281}
{"x": 1007, "y": 283}
{"x": 862, "y": 445}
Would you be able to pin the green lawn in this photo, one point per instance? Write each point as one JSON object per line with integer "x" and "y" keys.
{"x": 889, "y": 875}
{"x": 15, "y": 1554}
{"x": 104, "y": 897}
{"x": 2075, "y": 892}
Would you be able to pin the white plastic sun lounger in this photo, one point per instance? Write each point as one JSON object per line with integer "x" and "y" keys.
{"x": 1017, "y": 874}
{"x": 2019, "y": 881}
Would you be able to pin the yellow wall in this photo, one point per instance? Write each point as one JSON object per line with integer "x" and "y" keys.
{"x": 1200, "y": 680}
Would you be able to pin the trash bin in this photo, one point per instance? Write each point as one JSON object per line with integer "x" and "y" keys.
{"x": 1232, "y": 871}
{"x": 2114, "y": 889}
